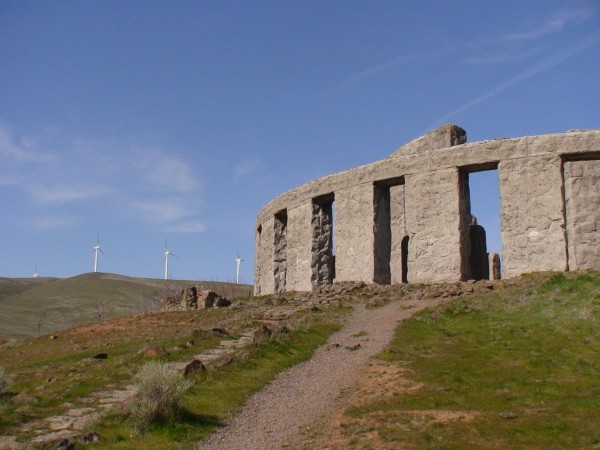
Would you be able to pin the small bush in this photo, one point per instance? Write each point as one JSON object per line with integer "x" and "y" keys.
{"x": 159, "y": 395}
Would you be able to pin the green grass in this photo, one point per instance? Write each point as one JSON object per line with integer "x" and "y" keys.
{"x": 49, "y": 373}
{"x": 524, "y": 361}
{"x": 217, "y": 394}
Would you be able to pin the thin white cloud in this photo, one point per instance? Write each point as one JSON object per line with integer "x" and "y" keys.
{"x": 163, "y": 211}
{"x": 557, "y": 22}
{"x": 505, "y": 57}
{"x": 64, "y": 194}
{"x": 55, "y": 221}
{"x": 369, "y": 72}
{"x": 191, "y": 226}
{"x": 10, "y": 150}
{"x": 544, "y": 65}
{"x": 246, "y": 167}
{"x": 55, "y": 168}
{"x": 554, "y": 23}
{"x": 162, "y": 171}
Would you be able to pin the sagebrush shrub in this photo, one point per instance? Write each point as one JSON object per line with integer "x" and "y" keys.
{"x": 160, "y": 390}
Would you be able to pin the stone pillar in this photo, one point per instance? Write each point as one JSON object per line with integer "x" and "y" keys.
{"x": 480, "y": 269}
{"x": 433, "y": 221}
{"x": 354, "y": 241}
{"x": 280, "y": 262}
{"x": 494, "y": 266}
{"x": 264, "y": 258}
{"x": 299, "y": 247}
{"x": 582, "y": 202}
{"x": 531, "y": 209}
{"x": 323, "y": 262}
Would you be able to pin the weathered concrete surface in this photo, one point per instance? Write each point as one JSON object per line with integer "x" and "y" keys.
{"x": 264, "y": 257}
{"x": 445, "y": 136}
{"x": 582, "y": 200}
{"x": 531, "y": 210}
{"x": 433, "y": 221}
{"x": 432, "y": 209}
{"x": 354, "y": 234}
{"x": 299, "y": 245}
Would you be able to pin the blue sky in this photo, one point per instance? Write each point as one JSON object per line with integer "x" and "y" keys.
{"x": 144, "y": 121}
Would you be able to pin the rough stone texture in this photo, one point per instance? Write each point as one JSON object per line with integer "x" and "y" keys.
{"x": 531, "y": 209}
{"x": 435, "y": 212}
{"x": 193, "y": 367}
{"x": 280, "y": 262}
{"x": 299, "y": 250}
{"x": 354, "y": 234}
{"x": 495, "y": 266}
{"x": 445, "y": 136}
{"x": 433, "y": 222}
{"x": 582, "y": 199}
{"x": 192, "y": 298}
{"x": 263, "y": 257}
{"x": 189, "y": 298}
{"x": 323, "y": 262}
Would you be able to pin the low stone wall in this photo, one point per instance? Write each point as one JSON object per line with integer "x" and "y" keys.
{"x": 407, "y": 218}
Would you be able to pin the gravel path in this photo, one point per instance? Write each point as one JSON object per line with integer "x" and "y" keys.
{"x": 275, "y": 417}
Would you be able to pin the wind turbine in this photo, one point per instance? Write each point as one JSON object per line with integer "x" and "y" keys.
{"x": 166, "y": 259}
{"x": 35, "y": 274}
{"x": 238, "y": 260}
{"x": 95, "y": 250}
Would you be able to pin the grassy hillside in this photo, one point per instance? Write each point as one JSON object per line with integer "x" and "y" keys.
{"x": 48, "y": 377}
{"x": 14, "y": 286}
{"x": 517, "y": 368}
{"x": 512, "y": 365}
{"x": 32, "y": 306}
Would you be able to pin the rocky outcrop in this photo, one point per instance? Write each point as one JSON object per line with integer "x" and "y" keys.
{"x": 192, "y": 298}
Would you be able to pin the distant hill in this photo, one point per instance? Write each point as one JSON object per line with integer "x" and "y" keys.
{"x": 29, "y": 306}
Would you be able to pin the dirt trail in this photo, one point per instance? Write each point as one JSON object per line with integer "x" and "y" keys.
{"x": 282, "y": 414}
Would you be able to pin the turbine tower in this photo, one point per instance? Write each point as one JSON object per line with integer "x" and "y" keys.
{"x": 95, "y": 251}
{"x": 166, "y": 259}
{"x": 238, "y": 260}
